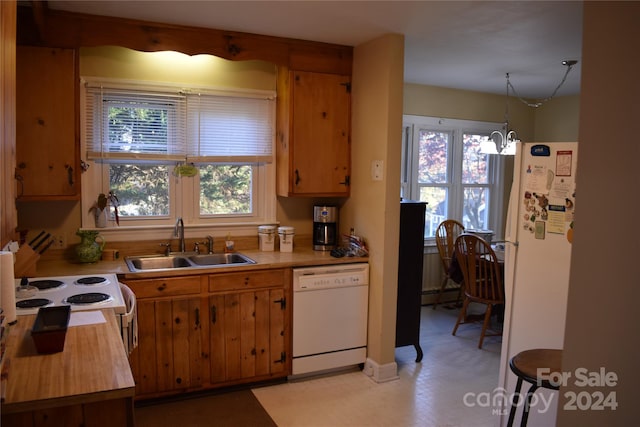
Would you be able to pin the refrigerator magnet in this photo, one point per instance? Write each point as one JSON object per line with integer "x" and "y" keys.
{"x": 541, "y": 150}
{"x": 539, "y": 230}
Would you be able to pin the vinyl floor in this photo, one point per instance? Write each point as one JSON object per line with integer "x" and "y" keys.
{"x": 442, "y": 390}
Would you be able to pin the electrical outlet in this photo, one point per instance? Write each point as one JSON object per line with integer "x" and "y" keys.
{"x": 377, "y": 167}
{"x": 59, "y": 241}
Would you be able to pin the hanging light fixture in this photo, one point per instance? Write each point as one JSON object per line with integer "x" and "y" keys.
{"x": 503, "y": 141}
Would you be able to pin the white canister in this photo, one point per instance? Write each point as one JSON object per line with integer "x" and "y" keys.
{"x": 267, "y": 237}
{"x": 286, "y": 238}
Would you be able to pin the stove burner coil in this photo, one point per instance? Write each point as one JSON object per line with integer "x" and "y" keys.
{"x": 46, "y": 284}
{"x": 89, "y": 298}
{"x": 91, "y": 280}
{"x": 33, "y": 303}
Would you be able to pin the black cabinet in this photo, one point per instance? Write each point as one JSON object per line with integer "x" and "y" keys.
{"x": 410, "y": 262}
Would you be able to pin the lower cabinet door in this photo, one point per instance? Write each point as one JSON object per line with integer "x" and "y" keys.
{"x": 247, "y": 335}
{"x": 169, "y": 352}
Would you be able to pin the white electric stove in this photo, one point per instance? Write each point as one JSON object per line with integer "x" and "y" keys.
{"x": 90, "y": 292}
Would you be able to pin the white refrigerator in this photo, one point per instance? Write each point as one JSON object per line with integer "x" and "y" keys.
{"x": 539, "y": 232}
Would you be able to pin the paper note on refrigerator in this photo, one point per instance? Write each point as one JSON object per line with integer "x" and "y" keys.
{"x": 556, "y": 219}
{"x": 536, "y": 179}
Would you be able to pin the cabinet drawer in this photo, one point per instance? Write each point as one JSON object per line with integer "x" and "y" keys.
{"x": 149, "y": 288}
{"x": 246, "y": 280}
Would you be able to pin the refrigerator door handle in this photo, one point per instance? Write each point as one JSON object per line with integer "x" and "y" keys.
{"x": 511, "y": 229}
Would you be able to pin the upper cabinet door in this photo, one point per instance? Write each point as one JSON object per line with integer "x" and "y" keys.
{"x": 47, "y": 144}
{"x": 315, "y": 148}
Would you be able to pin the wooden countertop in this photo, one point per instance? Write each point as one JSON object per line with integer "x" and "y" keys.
{"x": 93, "y": 367}
{"x": 297, "y": 258}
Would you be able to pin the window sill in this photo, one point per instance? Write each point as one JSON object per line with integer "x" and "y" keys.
{"x": 154, "y": 232}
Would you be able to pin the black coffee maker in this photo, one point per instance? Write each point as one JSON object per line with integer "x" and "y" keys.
{"x": 325, "y": 228}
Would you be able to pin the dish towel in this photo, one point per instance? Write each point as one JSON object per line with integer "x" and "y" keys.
{"x": 129, "y": 320}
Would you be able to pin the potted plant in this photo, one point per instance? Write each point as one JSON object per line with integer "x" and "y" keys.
{"x": 100, "y": 209}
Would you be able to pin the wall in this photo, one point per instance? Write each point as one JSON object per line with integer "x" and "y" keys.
{"x": 206, "y": 70}
{"x": 434, "y": 101}
{"x": 558, "y": 120}
{"x": 373, "y": 208}
{"x": 602, "y": 323}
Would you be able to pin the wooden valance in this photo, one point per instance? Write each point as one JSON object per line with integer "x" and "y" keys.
{"x": 41, "y": 26}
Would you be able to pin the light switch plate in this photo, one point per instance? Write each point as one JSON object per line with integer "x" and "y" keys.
{"x": 377, "y": 167}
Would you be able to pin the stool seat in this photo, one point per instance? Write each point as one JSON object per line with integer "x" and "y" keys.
{"x": 526, "y": 366}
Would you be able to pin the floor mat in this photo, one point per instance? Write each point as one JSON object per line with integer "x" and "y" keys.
{"x": 235, "y": 408}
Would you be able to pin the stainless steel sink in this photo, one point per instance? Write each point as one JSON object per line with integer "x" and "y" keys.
{"x": 185, "y": 261}
{"x": 157, "y": 262}
{"x": 217, "y": 259}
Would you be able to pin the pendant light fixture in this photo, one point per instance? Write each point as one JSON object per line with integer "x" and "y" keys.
{"x": 504, "y": 141}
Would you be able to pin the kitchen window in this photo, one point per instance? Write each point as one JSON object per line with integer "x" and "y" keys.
{"x": 166, "y": 152}
{"x": 442, "y": 165}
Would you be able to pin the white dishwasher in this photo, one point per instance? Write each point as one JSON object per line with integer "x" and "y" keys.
{"x": 330, "y": 315}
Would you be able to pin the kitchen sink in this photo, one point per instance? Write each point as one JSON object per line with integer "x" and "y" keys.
{"x": 217, "y": 259}
{"x": 157, "y": 262}
{"x": 185, "y": 261}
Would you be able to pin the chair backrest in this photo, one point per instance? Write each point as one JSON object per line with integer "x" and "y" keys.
{"x": 446, "y": 235}
{"x": 481, "y": 269}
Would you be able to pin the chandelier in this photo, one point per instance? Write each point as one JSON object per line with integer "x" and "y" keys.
{"x": 504, "y": 141}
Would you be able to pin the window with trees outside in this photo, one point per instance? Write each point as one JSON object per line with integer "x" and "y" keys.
{"x": 164, "y": 153}
{"x": 442, "y": 165}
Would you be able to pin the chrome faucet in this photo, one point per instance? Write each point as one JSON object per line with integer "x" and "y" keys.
{"x": 179, "y": 232}
{"x": 210, "y": 244}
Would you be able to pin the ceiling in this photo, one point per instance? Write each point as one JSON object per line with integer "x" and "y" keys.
{"x": 467, "y": 45}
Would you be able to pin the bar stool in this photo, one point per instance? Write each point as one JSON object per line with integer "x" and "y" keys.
{"x": 526, "y": 365}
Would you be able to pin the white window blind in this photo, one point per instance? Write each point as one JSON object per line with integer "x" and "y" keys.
{"x": 134, "y": 125}
{"x": 230, "y": 129}
{"x": 127, "y": 124}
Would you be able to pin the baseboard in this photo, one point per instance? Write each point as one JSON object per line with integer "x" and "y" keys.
{"x": 449, "y": 295}
{"x": 381, "y": 373}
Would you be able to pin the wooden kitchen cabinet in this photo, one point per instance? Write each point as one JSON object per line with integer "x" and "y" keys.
{"x": 206, "y": 331}
{"x": 248, "y": 328}
{"x": 47, "y": 137}
{"x": 313, "y": 134}
{"x": 169, "y": 357}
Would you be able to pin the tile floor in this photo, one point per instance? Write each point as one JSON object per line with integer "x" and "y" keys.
{"x": 427, "y": 394}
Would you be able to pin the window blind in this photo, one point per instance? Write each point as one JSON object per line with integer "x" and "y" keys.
{"x": 134, "y": 125}
{"x": 124, "y": 125}
{"x": 230, "y": 129}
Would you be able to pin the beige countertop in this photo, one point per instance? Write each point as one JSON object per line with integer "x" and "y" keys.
{"x": 297, "y": 258}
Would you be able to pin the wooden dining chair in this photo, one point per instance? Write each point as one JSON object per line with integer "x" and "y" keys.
{"x": 446, "y": 234}
{"x": 482, "y": 274}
